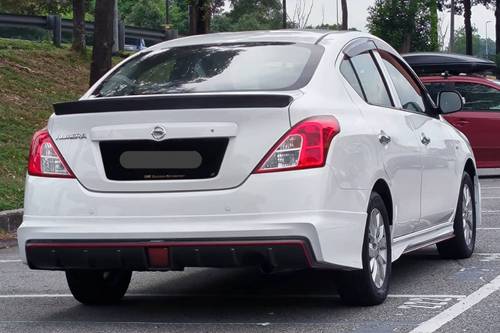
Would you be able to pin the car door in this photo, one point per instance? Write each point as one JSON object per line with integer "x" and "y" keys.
{"x": 440, "y": 181}
{"x": 396, "y": 142}
{"x": 480, "y": 121}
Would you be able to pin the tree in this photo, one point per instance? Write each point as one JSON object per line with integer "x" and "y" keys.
{"x": 301, "y": 13}
{"x": 452, "y": 26}
{"x": 479, "y": 43}
{"x": 434, "y": 25}
{"x": 344, "y": 15}
{"x": 79, "y": 26}
{"x": 284, "y": 14}
{"x": 146, "y": 14}
{"x": 497, "y": 30}
{"x": 464, "y": 7}
{"x": 468, "y": 26}
{"x": 250, "y": 15}
{"x": 408, "y": 28}
{"x": 35, "y": 7}
{"x": 103, "y": 39}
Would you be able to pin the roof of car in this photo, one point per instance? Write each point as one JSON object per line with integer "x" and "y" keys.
{"x": 295, "y": 36}
{"x": 461, "y": 78}
{"x": 433, "y": 62}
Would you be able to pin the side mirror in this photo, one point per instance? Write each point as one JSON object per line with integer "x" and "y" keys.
{"x": 450, "y": 101}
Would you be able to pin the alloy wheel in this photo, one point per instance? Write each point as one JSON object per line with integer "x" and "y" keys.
{"x": 377, "y": 248}
{"x": 467, "y": 215}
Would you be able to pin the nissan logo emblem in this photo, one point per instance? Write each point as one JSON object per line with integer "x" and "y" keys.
{"x": 158, "y": 133}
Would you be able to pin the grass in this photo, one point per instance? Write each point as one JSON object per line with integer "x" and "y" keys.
{"x": 33, "y": 76}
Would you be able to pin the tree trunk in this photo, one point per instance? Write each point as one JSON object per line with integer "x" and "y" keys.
{"x": 468, "y": 27}
{"x": 434, "y": 25}
{"x": 284, "y": 14}
{"x": 79, "y": 26}
{"x": 345, "y": 15}
{"x": 497, "y": 29}
{"x": 103, "y": 39}
{"x": 199, "y": 18}
{"x": 167, "y": 13}
{"x": 406, "y": 47}
{"x": 452, "y": 27}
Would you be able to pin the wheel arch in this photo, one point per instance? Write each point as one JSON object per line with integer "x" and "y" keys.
{"x": 382, "y": 188}
{"x": 470, "y": 168}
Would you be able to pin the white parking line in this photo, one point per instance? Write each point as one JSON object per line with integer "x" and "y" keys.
{"x": 454, "y": 311}
{"x": 229, "y": 296}
{"x": 488, "y": 228}
{"x": 490, "y": 198}
{"x": 490, "y": 211}
{"x": 9, "y": 260}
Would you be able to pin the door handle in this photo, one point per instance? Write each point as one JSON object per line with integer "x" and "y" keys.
{"x": 425, "y": 139}
{"x": 463, "y": 122}
{"x": 384, "y": 138}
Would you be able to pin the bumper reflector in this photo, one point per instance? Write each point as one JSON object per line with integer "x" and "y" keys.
{"x": 158, "y": 257}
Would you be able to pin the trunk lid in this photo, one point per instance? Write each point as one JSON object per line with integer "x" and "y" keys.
{"x": 168, "y": 143}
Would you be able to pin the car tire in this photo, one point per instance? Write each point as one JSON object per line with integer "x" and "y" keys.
{"x": 370, "y": 285}
{"x": 98, "y": 287}
{"x": 464, "y": 227}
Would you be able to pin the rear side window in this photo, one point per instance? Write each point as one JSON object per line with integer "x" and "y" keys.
{"x": 370, "y": 79}
{"x": 210, "y": 68}
{"x": 348, "y": 71}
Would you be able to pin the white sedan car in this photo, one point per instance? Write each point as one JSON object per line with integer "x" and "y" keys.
{"x": 282, "y": 149}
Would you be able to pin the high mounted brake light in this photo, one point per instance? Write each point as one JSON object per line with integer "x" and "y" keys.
{"x": 45, "y": 160}
{"x": 304, "y": 146}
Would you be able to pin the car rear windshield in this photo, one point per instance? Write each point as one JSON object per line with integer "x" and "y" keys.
{"x": 214, "y": 68}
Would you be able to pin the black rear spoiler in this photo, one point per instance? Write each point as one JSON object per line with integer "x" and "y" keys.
{"x": 102, "y": 104}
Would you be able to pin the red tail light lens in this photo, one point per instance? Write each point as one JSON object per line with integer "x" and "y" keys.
{"x": 302, "y": 147}
{"x": 45, "y": 160}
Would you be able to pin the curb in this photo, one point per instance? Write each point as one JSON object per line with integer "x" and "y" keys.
{"x": 10, "y": 220}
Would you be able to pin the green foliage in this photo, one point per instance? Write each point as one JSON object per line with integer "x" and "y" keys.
{"x": 478, "y": 44}
{"x": 433, "y": 6}
{"x": 151, "y": 14}
{"x": 405, "y": 24}
{"x": 33, "y": 76}
{"x": 459, "y": 4}
{"x": 35, "y": 7}
{"x": 249, "y": 15}
{"x": 146, "y": 14}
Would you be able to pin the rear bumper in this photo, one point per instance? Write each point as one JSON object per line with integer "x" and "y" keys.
{"x": 272, "y": 254}
{"x": 306, "y": 205}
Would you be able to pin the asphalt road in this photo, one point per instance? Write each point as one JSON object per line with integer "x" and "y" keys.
{"x": 428, "y": 294}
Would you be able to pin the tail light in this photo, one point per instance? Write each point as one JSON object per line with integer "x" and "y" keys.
{"x": 302, "y": 147}
{"x": 45, "y": 160}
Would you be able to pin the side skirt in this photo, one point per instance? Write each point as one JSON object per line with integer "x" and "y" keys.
{"x": 422, "y": 238}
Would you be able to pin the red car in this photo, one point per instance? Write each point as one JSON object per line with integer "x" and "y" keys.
{"x": 480, "y": 118}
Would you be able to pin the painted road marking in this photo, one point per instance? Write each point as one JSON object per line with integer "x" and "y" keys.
{"x": 428, "y": 302}
{"x": 490, "y": 198}
{"x": 454, "y": 311}
{"x": 490, "y": 211}
{"x": 231, "y": 296}
{"x": 487, "y": 257}
{"x": 488, "y": 228}
{"x": 10, "y": 260}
